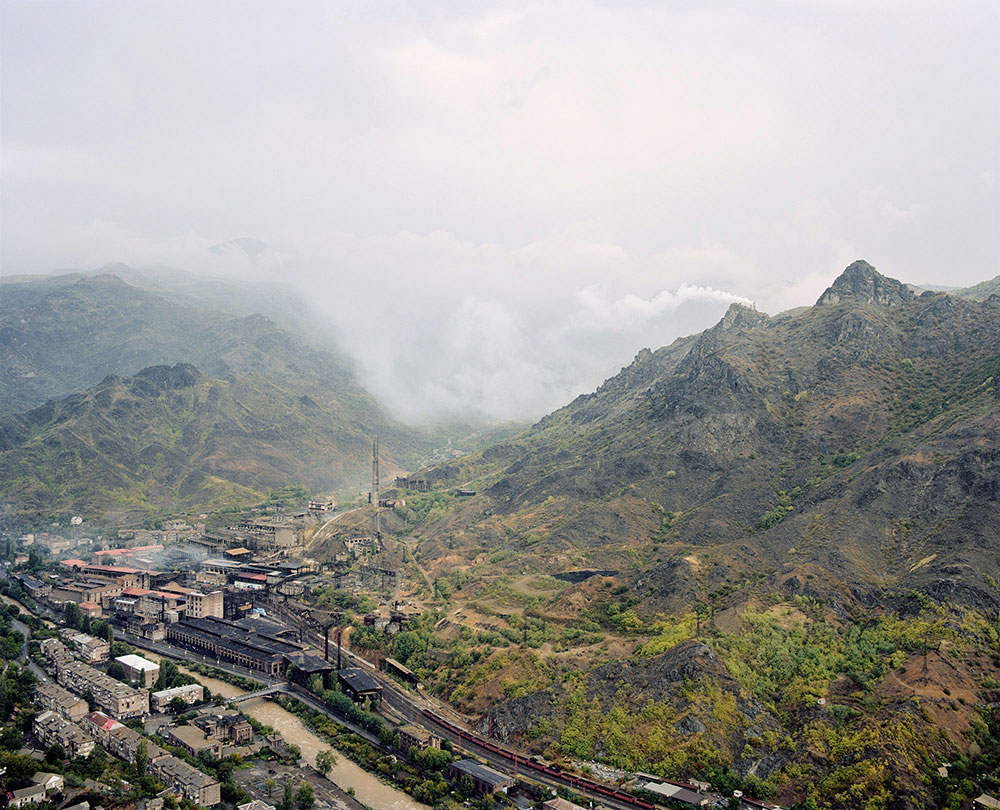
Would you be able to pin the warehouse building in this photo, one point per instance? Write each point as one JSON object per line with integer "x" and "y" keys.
{"x": 229, "y": 641}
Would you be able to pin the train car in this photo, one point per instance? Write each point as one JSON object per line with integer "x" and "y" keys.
{"x": 577, "y": 782}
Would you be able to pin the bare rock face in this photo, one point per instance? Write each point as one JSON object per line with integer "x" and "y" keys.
{"x": 862, "y": 282}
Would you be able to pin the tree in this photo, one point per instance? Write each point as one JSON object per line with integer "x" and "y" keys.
{"x": 270, "y": 785}
{"x": 325, "y": 760}
{"x": 117, "y": 671}
{"x": 55, "y": 753}
{"x": 287, "y": 796}
{"x": 305, "y": 797}
{"x": 141, "y": 759}
{"x": 432, "y": 759}
{"x": 177, "y": 705}
{"x": 35, "y": 559}
{"x": 74, "y": 616}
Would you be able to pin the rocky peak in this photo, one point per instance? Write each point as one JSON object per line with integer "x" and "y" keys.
{"x": 182, "y": 375}
{"x": 739, "y": 316}
{"x": 862, "y": 282}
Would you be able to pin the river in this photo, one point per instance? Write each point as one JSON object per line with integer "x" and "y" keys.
{"x": 346, "y": 774}
{"x": 7, "y": 600}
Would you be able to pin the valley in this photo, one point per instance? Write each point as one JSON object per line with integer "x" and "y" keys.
{"x": 763, "y": 558}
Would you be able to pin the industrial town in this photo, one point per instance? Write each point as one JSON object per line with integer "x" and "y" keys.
{"x": 123, "y": 635}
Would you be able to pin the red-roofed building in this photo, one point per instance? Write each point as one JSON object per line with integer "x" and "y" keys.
{"x": 245, "y": 581}
{"x": 99, "y": 726}
{"x": 91, "y": 609}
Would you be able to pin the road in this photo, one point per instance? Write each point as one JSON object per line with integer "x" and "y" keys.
{"x": 324, "y": 531}
{"x": 25, "y": 631}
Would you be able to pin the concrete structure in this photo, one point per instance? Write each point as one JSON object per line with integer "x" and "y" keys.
{"x": 413, "y": 738}
{"x": 150, "y": 605}
{"x": 139, "y": 626}
{"x": 486, "y": 781}
{"x": 124, "y": 743}
{"x": 559, "y": 803}
{"x": 96, "y": 591}
{"x": 140, "y": 669}
{"x": 87, "y": 647}
{"x": 187, "y": 781}
{"x": 192, "y": 739}
{"x": 54, "y": 729}
{"x": 190, "y": 693}
{"x": 229, "y": 641}
{"x": 266, "y": 534}
{"x": 678, "y": 793}
{"x": 198, "y": 604}
{"x": 92, "y": 610}
{"x": 52, "y": 696}
{"x": 111, "y": 573}
{"x": 35, "y": 587}
{"x": 358, "y": 684}
{"x": 414, "y": 482}
{"x": 119, "y": 699}
{"x": 52, "y": 782}
{"x": 229, "y": 726}
{"x": 179, "y": 777}
{"x": 33, "y": 794}
{"x": 99, "y": 726}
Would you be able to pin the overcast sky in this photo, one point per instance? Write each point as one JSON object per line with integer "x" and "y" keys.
{"x": 518, "y": 196}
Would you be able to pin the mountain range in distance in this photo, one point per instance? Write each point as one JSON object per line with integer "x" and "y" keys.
{"x": 117, "y": 400}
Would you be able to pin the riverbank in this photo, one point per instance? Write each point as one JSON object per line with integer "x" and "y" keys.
{"x": 367, "y": 788}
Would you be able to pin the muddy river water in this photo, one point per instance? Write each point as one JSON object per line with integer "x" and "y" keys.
{"x": 346, "y": 774}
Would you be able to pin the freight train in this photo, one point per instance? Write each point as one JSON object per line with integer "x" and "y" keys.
{"x": 576, "y": 782}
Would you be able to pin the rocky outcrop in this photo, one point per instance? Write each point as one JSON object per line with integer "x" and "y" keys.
{"x": 862, "y": 282}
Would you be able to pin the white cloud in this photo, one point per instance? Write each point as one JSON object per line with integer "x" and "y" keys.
{"x": 554, "y": 185}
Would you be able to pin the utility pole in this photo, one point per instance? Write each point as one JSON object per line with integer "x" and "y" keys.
{"x": 375, "y": 488}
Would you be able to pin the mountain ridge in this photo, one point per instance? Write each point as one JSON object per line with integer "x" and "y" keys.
{"x": 721, "y": 428}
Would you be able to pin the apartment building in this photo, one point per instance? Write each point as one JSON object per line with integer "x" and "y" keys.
{"x": 140, "y": 669}
{"x": 190, "y": 693}
{"x": 53, "y": 729}
{"x": 187, "y": 781}
{"x": 52, "y": 696}
{"x": 87, "y": 647}
{"x": 198, "y": 604}
{"x": 115, "y": 697}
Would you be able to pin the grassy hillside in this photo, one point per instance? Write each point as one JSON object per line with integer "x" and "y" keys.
{"x": 981, "y": 291}
{"x": 172, "y": 438}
